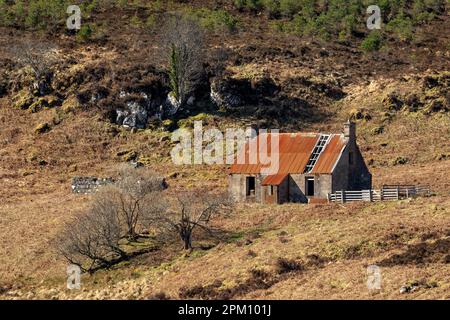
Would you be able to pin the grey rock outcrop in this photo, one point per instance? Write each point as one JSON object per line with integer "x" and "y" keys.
{"x": 137, "y": 116}
{"x": 171, "y": 105}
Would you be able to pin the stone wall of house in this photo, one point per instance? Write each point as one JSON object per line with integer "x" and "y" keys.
{"x": 283, "y": 191}
{"x": 89, "y": 184}
{"x": 297, "y": 188}
{"x": 359, "y": 176}
{"x": 323, "y": 185}
{"x": 235, "y": 187}
{"x": 355, "y": 176}
{"x": 238, "y": 187}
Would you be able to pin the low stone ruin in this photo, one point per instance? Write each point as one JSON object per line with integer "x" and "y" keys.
{"x": 89, "y": 184}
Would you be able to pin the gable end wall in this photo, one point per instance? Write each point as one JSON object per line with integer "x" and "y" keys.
{"x": 351, "y": 177}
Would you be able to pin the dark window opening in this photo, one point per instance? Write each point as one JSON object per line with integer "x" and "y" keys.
{"x": 351, "y": 158}
{"x": 271, "y": 190}
{"x": 310, "y": 187}
{"x": 251, "y": 182}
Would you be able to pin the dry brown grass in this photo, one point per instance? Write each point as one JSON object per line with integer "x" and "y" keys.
{"x": 334, "y": 242}
{"x": 345, "y": 238}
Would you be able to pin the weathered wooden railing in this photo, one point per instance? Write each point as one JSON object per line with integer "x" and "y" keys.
{"x": 386, "y": 193}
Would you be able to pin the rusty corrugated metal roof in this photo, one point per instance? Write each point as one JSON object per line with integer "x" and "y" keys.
{"x": 330, "y": 155}
{"x": 274, "y": 180}
{"x": 294, "y": 152}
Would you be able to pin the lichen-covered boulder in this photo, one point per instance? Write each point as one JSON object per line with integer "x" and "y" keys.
{"x": 171, "y": 105}
{"x": 136, "y": 117}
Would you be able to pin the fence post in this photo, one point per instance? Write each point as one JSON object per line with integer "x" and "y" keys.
{"x": 398, "y": 193}
{"x": 381, "y": 194}
{"x": 370, "y": 195}
{"x": 343, "y": 196}
{"x": 328, "y": 197}
{"x": 407, "y": 192}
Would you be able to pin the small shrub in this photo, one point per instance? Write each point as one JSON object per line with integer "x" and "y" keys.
{"x": 258, "y": 274}
{"x": 150, "y": 23}
{"x": 286, "y": 265}
{"x": 272, "y": 7}
{"x": 254, "y": 5}
{"x": 214, "y": 20}
{"x": 239, "y": 4}
{"x": 400, "y": 161}
{"x": 402, "y": 27}
{"x": 290, "y": 7}
{"x": 373, "y": 42}
{"x": 159, "y": 296}
{"x": 85, "y": 33}
{"x": 136, "y": 22}
{"x": 251, "y": 253}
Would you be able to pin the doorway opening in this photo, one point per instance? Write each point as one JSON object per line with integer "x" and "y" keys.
{"x": 251, "y": 183}
{"x": 310, "y": 186}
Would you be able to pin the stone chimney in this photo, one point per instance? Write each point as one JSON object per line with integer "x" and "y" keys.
{"x": 350, "y": 130}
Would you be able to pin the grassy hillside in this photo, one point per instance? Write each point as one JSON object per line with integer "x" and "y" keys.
{"x": 301, "y": 68}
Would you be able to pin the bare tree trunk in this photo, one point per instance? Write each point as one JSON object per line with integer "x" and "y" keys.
{"x": 132, "y": 236}
{"x": 186, "y": 236}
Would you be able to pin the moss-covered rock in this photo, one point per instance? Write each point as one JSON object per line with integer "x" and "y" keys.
{"x": 23, "y": 100}
{"x": 393, "y": 102}
{"x": 71, "y": 104}
{"x": 127, "y": 155}
{"x": 189, "y": 122}
{"x": 378, "y": 130}
{"x": 146, "y": 161}
{"x": 42, "y": 128}
{"x": 442, "y": 156}
{"x": 38, "y": 105}
{"x": 437, "y": 80}
{"x": 53, "y": 101}
{"x": 168, "y": 124}
{"x": 437, "y": 105}
{"x": 387, "y": 116}
{"x": 400, "y": 161}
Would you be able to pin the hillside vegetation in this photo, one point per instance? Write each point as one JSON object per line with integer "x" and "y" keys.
{"x": 293, "y": 65}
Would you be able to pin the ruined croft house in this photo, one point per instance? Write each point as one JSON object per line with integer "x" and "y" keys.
{"x": 311, "y": 165}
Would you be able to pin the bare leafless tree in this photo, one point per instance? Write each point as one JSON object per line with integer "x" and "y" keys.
{"x": 133, "y": 194}
{"x": 39, "y": 56}
{"x": 218, "y": 61}
{"x": 184, "y": 48}
{"x": 92, "y": 240}
{"x": 193, "y": 210}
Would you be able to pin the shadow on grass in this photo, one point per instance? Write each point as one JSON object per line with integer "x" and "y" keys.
{"x": 421, "y": 253}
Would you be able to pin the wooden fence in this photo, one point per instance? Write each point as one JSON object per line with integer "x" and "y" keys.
{"x": 386, "y": 193}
